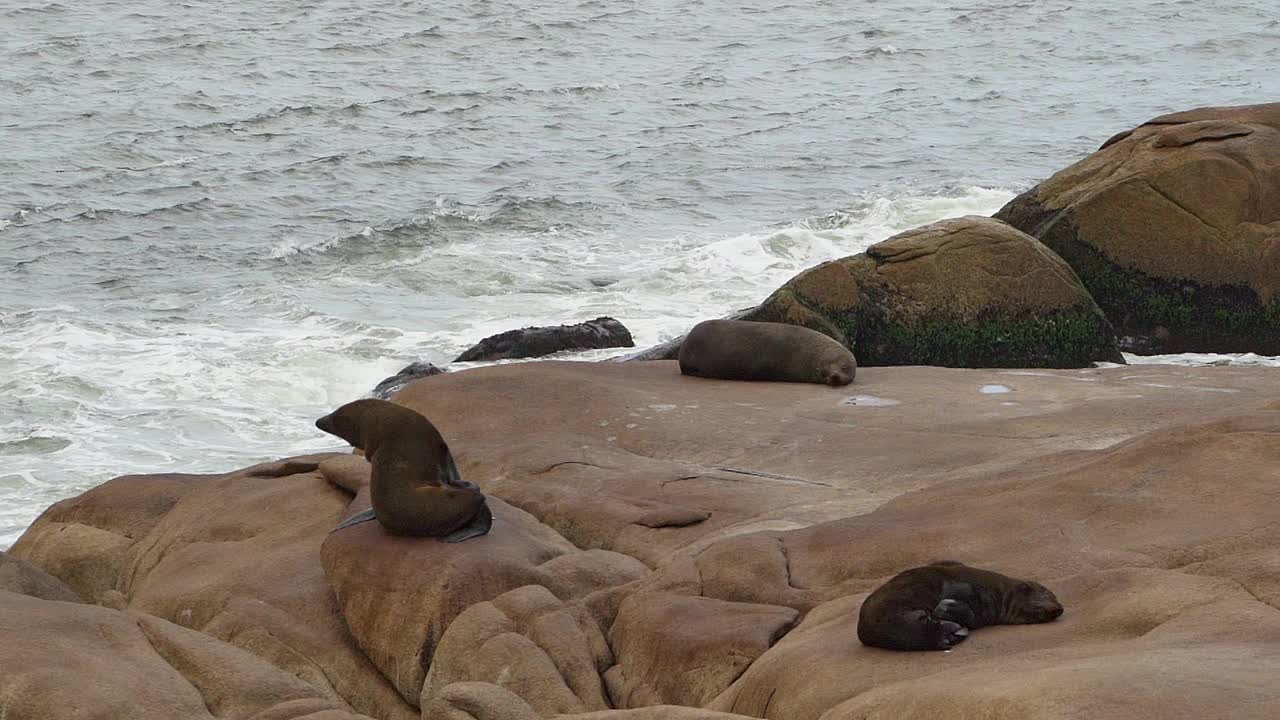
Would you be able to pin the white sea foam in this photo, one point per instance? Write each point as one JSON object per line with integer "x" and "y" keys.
{"x": 84, "y": 398}
{"x": 1206, "y": 359}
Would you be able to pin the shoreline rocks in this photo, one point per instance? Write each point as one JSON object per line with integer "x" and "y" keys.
{"x": 965, "y": 292}
{"x": 1174, "y": 227}
{"x": 602, "y": 332}
{"x": 757, "y": 514}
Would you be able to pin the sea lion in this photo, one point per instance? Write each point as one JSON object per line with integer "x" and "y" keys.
{"x": 935, "y": 606}
{"x": 415, "y": 487}
{"x": 748, "y": 350}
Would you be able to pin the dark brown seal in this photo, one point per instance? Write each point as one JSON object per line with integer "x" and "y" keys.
{"x": 747, "y": 350}
{"x": 935, "y": 606}
{"x": 415, "y": 487}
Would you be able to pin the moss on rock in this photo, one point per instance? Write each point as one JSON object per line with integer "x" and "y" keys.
{"x": 968, "y": 292}
{"x": 1172, "y": 226}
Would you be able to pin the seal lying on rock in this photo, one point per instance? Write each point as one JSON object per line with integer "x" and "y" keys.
{"x": 415, "y": 487}
{"x": 935, "y": 606}
{"x": 747, "y": 350}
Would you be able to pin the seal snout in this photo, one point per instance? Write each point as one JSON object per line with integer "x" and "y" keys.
{"x": 326, "y": 424}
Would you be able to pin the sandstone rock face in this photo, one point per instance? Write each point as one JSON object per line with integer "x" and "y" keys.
{"x": 965, "y": 292}
{"x": 22, "y": 577}
{"x": 675, "y": 547}
{"x": 603, "y": 332}
{"x": 235, "y": 557}
{"x": 1174, "y": 227}
{"x": 679, "y": 650}
{"x": 72, "y": 660}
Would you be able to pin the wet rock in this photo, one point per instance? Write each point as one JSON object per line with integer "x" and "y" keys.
{"x": 603, "y": 332}
{"x": 394, "y": 384}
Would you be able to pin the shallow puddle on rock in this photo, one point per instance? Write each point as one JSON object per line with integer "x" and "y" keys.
{"x": 869, "y": 401}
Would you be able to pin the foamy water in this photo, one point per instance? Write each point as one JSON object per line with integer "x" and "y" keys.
{"x": 220, "y": 222}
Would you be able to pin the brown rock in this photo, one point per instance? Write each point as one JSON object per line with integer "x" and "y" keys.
{"x": 529, "y": 642}
{"x": 22, "y": 577}
{"x": 686, "y": 650}
{"x": 1144, "y": 496}
{"x": 400, "y": 595}
{"x": 71, "y": 660}
{"x": 1173, "y": 227}
{"x": 477, "y": 701}
{"x": 234, "y": 556}
{"x": 965, "y": 292}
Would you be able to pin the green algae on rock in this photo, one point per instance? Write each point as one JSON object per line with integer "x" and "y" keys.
{"x": 963, "y": 292}
{"x": 1174, "y": 227}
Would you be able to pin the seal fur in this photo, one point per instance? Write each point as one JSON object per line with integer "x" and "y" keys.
{"x": 415, "y": 487}
{"x": 935, "y": 606}
{"x": 749, "y": 350}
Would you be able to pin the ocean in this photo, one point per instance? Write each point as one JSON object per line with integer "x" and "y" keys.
{"x": 218, "y": 221}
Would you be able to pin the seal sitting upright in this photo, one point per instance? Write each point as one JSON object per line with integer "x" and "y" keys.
{"x": 935, "y": 606}
{"x": 415, "y": 486}
{"x": 749, "y": 350}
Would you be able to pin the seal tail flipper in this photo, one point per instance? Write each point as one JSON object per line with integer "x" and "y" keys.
{"x": 956, "y": 611}
{"x": 356, "y": 519}
{"x": 952, "y": 634}
{"x": 479, "y": 525}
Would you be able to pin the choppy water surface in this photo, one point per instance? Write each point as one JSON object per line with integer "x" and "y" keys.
{"x": 219, "y": 220}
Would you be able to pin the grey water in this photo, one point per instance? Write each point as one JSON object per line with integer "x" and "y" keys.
{"x": 219, "y": 220}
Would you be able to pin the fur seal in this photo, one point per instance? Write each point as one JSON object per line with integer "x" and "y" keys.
{"x": 415, "y": 487}
{"x": 935, "y": 606}
{"x": 749, "y": 350}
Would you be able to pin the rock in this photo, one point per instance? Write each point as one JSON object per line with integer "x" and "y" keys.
{"x": 477, "y": 701}
{"x": 233, "y": 556}
{"x": 1173, "y": 227}
{"x": 660, "y": 536}
{"x": 72, "y": 660}
{"x": 414, "y": 371}
{"x": 965, "y": 292}
{"x": 495, "y": 586}
{"x": 681, "y": 650}
{"x": 22, "y": 577}
{"x": 528, "y": 641}
{"x": 603, "y": 332}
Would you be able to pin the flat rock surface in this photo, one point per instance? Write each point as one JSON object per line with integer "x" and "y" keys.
{"x": 631, "y": 501}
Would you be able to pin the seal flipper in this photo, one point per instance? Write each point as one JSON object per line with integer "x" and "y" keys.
{"x": 356, "y": 519}
{"x": 952, "y": 634}
{"x": 957, "y": 611}
{"x": 477, "y": 526}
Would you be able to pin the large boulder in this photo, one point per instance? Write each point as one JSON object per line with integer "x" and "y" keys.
{"x": 964, "y": 292}
{"x": 1174, "y": 227}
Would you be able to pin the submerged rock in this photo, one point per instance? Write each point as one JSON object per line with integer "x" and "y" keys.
{"x": 964, "y": 292}
{"x": 603, "y": 332}
{"x": 1174, "y": 226}
{"x": 394, "y": 384}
